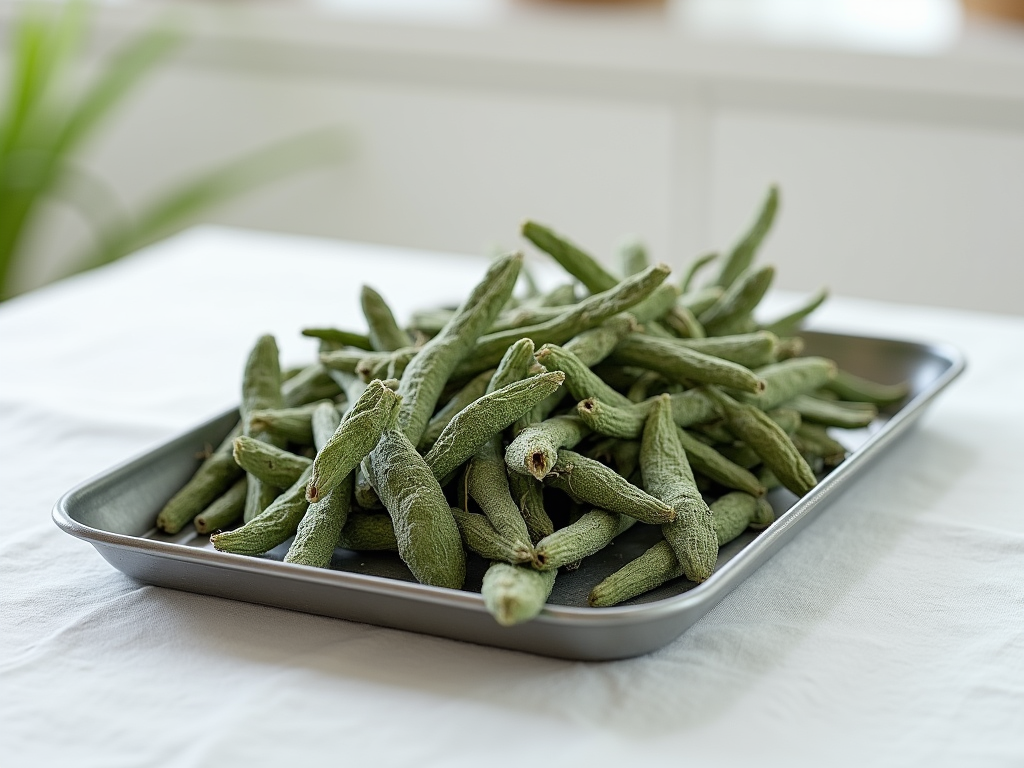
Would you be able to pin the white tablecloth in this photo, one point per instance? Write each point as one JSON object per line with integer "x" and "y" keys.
{"x": 890, "y": 632}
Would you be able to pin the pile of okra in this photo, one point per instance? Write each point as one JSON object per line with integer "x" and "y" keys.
{"x": 534, "y": 429}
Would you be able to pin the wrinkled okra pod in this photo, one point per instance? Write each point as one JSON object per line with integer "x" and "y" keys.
{"x": 768, "y": 440}
{"x": 789, "y": 378}
{"x": 742, "y": 254}
{"x": 690, "y": 407}
{"x": 224, "y": 511}
{"x": 528, "y": 494}
{"x": 738, "y": 301}
{"x": 472, "y": 391}
{"x": 481, "y": 537}
{"x": 591, "y": 482}
{"x": 735, "y": 512}
{"x": 576, "y": 262}
{"x": 312, "y": 383}
{"x": 356, "y": 435}
{"x": 425, "y": 376}
{"x": 367, "y": 531}
{"x": 429, "y": 541}
{"x": 535, "y": 450}
{"x": 385, "y": 335}
{"x": 320, "y": 527}
{"x": 514, "y": 594}
{"x": 261, "y": 388}
{"x": 290, "y": 425}
{"x": 833, "y": 414}
{"x": 667, "y": 476}
{"x": 214, "y": 477}
{"x": 591, "y": 533}
{"x": 487, "y": 416}
{"x": 342, "y": 338}
{"x": 679, "y": 363}
{"x": 589, "y": 313}
{"x": 695, "y": 266}
{"x": 652, "y": 569}
{"x": 579, "y": 379}
{"x": 270, "y": 527}
{"x": 850, "y": 387}
{"x": 270, "y": 464}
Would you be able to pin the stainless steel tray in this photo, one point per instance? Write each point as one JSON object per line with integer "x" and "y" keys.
{"x": 115, "y": 512}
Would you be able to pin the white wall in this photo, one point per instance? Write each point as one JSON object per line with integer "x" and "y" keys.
{"x": 899, "y": 181}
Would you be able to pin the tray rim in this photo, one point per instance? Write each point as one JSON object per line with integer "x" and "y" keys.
{"x": 711, "y": 591}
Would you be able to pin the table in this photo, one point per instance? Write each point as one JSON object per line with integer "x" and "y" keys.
{"x": 890, "y": 632}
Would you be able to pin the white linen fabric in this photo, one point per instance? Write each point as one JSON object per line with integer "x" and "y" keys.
{"x": 889, "y": 632}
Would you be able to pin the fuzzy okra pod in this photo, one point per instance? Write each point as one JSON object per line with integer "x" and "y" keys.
{"x": 482, "y": 537}
{"x": 487, "y": 416}
{"x": 356, "y": 435}
{"x": 385, "y": 335}
{"x": 591, "y": 482}
{"x": 652, "y": 569}
{"x": 321, "y": 525}
{"x": 591, "y": 533}
{"x": 667, "y": 476}
{"x": 224, "y": 511}
{"x": 742, "y": 255}
{"x": 789, "y": 378}
{"x": 215, "y": 476}
{"x": 575, "y": 261}
{"x": 690, "y": 407}
{"x": 270, "y": 527}
{"x": 680, "y": 363}
{"x": 268, "y": 463}
{"x": 535, "y": 450}
{"x": 768, "y": 440}
{"x": 514, "y": 593}
{"x": 425, "y": 376}
{"x": 261, "y": 389}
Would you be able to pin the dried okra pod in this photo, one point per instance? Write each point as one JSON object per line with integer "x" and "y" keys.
{"x": 385, "y": 335}
{"x": 679, "y": 363}
{"x": 213, "y": 478}
{"x": 224, "y": 511}
{"x": 667, "y": 476}
{"x": 535, "y": 450}
{"x": 268, "y": 463}
{"x": 514, "y": 593}
{"x": 591, "y": 482}
{"x": 652, "y": 569}
{"x": 261, "y": 389}
{"x": 742, "y": 254}
{"x": 591, "y": 533}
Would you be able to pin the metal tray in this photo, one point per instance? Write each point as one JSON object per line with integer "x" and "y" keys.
{"x": 115, "y": 512}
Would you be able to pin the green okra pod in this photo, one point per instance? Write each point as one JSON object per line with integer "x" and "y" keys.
{"x": 290, "y": 425}
{"x": 591, "y": 482}
{"x": 785, "y": 380}
{"x": 261, "y": 389}
{"x": 528, "y": 494}
{"x": 385, "y": 335}
{"x": 514, "y": 366}
{"x": 591, "y": 533}
{"x": 535, "y": 450}
{"x": 632, "y": 256}
{"x": 356, "y": 435}
{"x": 690, "y": 407}
{"x": 751, "y": 350}
{"x": 270, "y": 527}
{"x": 788, "y": 324}
{"x": 813, "y": 440}
{"x": 742, "y": 254}
{"x": 738, "y": 301}
{"x": 388, "y": 365}
{"x": 734, "y": 512}
{"x": 712, "y": 464}
{"x": 692, "y": 270}
{"x": 595, "y": 344}
{"x": 311, "y": 384}
{"x": 481, "y": 537}
{"x": 833, "y": 414}
{"x": 487, "y": 483}
{"x": 575, "y": 261}
{"x": 223, "y": 511}
{"x": 652, "y": 569}
{"x": 368, "y": 532}
{"x": 680, "y": 363}
{"x": 768, "y": 440}
{"x": 487, "y": 416}
{"x": 320, "y": 527}
{"x": 855, "y": 388}
{"x": 684, "y": 323}
{"x": 428, "y": 537}
{"x": 667, "y": 476}
{"x": 425, "y": 376}
{"x": 589, "y": 313}
{"x": 214, "y": 477}
{"x": 474, "y": 389}
{"x": 514, "y": 594}
{"x": 268, "y": 463}
{"x": 336, "y": 336}
{"x": 700, "y": 300}
{"x": 657, "y": 305}
{"x": 579, "y": 379}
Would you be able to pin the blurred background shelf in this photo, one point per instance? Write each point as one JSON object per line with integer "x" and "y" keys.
{"x": 895, "y": 130}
